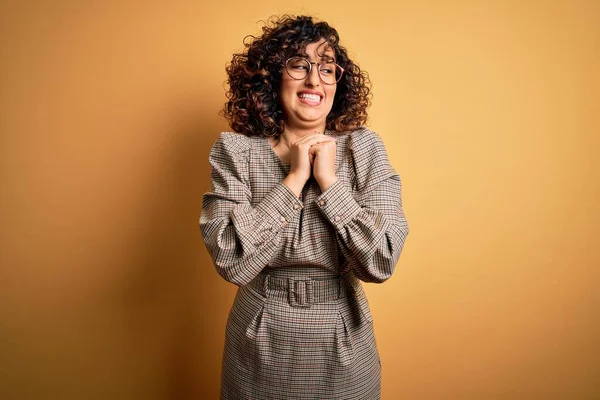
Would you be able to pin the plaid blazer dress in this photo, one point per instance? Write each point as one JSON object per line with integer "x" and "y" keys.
{"x": 300, "y": 325}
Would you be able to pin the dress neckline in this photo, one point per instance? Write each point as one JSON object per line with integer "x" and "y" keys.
{"x": 274, "y": 155}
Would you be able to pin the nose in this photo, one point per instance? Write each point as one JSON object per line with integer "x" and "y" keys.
{"x": 313, "y": 79}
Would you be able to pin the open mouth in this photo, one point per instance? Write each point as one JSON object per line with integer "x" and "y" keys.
{"x": 310, "y": 98}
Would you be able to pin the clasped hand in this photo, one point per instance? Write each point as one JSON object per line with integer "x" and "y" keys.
{"x": 312, "y": 153}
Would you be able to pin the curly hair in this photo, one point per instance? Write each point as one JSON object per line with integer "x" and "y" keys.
{"x": 254, "y": 77}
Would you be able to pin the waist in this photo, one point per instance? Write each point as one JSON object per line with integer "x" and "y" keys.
{"x": 308, "y": 271}
{"x": 303, "y": 287}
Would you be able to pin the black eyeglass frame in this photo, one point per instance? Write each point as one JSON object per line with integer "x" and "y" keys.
{"x": 310, "y": 64}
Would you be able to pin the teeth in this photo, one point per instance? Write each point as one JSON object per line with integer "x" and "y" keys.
{"x": 311, "y": 97}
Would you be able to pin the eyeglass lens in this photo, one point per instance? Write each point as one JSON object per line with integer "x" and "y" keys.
{"x": 299, "y": 67}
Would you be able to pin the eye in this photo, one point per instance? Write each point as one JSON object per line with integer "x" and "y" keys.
{"x": 327, "y": 69}
{"x": 298, "y": 64}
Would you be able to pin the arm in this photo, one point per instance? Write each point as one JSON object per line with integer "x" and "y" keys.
{"x": 371, "y": 227}
{"x": 241, "y": 238}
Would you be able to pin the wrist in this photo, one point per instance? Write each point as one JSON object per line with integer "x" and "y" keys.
{"x": 294, "y": 183}
{"x": 327, "y": 182}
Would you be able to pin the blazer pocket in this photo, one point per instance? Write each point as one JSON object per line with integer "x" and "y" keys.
{"x": 257, "y": 343}
{"x": 344, "y": 345}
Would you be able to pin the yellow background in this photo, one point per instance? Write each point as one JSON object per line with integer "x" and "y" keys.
{"x": 489, "y": 111}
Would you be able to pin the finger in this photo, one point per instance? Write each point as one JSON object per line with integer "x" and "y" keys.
{"x": 312, "y": 136}
{"x": 311, "y": 140}
{"x": 319, "y": 146}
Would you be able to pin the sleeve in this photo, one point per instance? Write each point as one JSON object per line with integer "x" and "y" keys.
{"x": 370, "y": 224}
{"x": 242, "y": 238}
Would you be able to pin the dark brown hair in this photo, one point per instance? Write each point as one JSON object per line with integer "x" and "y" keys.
{"x": 254, "y": 78}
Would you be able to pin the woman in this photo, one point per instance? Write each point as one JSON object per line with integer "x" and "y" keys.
{"x": 304, "y": 204}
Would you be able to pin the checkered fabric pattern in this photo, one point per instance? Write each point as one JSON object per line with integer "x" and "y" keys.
{"x": 300, "y": 326}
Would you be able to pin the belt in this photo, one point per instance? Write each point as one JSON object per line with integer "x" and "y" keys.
{"x": 301, "y": 291}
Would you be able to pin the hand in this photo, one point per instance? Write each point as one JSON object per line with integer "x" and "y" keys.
{"x": 323, "y": 154}
{"x": 301, "y": 160}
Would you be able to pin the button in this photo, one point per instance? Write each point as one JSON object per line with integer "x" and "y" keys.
{"x": 322, "y": 202}
{"x": 296, "y": 206}
{"x": 282, "y": 219}
{"x": 337, "y": 218}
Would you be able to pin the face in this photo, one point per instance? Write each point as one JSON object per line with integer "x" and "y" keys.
{"x": 307, "y": 102}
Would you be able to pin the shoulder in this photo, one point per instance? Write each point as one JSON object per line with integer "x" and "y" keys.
{"x": 370, "y": 158}
{"x": 233, "y": 142}
{"x": 361, "y": 142}
{"x": 362, "y": 136}
{"x": 232, "y": 146}
{"x": 366, "y": 146}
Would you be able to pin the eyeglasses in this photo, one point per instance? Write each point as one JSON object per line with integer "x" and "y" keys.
{"x": 299, "y": 68}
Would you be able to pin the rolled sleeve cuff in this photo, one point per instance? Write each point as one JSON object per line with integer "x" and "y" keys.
{"x": 338, "y": 205}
